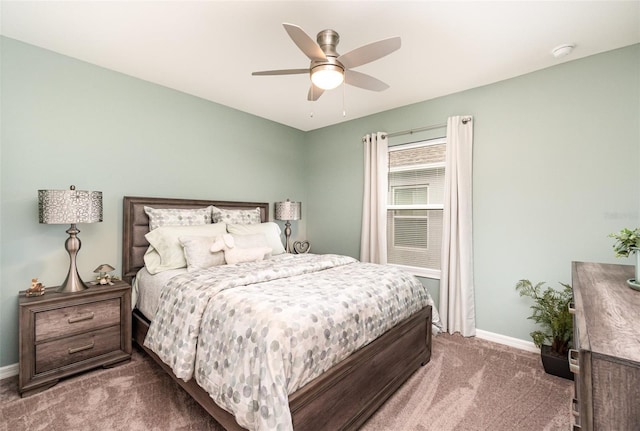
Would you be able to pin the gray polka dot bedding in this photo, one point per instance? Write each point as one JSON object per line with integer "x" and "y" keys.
{"x": 252, "y": 333}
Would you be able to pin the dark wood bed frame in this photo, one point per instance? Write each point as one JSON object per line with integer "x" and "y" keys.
{"x": 346, "y": 395}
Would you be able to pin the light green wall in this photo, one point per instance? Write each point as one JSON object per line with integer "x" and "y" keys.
{"x": 556, "y": 169}
{"x": 556, "y": 162}
{"x": 67, "y": 122}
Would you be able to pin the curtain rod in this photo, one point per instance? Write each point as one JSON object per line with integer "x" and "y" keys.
{"x": 420, "y": 129}
{"x": 464, "y": 120}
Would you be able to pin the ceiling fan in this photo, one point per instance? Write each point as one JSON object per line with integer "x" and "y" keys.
{"x": 328, "y": 69}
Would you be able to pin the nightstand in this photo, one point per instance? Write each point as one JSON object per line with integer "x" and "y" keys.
{"x": 62, "y": 334}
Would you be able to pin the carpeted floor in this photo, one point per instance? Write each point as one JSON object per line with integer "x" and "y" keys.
{"x": 470, "y": 384}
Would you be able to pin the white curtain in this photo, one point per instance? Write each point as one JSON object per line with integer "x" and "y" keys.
{"x": 457, "y": 305}
{"x": 373, "y": 242}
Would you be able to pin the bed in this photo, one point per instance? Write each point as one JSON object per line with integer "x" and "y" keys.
{"x": 345, "y": 395}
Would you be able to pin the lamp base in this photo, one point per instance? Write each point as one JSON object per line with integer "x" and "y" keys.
{"x": 287, "y": 235}
{"x": 72, "y": 283}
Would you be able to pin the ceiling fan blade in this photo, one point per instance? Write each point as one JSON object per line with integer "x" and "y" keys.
{"x": 280, "y": 72}
{"x": 314, "y": 93}
{"x": 362, "y": 80}
{"x": 368, "y": 53}
{"x": 307, "y": 45}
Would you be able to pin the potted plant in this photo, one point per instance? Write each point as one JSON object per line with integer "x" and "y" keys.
{"x": 627, "y": 243}
{"x": 551, "y": 312}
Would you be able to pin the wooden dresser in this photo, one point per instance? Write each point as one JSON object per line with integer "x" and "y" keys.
{"x": 606, "y": 354}
{"x": 61, "y": 334}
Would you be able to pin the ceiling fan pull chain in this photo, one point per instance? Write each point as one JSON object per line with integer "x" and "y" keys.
{"x": 344, "y": 91}
{"x": 312, "y": 89}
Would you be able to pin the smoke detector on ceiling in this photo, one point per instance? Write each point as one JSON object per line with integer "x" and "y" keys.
{"x": 562, "y": 50}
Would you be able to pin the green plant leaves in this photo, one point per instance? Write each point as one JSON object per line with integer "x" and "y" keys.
{"x": 551, "y": 312}
{"x": 627, "y": 241}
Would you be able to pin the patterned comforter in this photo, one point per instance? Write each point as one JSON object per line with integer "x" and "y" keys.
{"x": 255, "y": 332}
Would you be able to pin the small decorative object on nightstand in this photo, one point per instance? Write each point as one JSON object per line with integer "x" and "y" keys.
{"x": 70, "y": 207}
{"x": 36, "y": 289}
{"x": 301, "y": 247}
{"x": 61, "y": 335}
{"x": 288, "y": 211}
{"x": 103, "y": 277}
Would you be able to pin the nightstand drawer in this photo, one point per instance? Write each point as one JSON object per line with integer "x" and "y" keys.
{"x": 77, "y": 318}
{"x": 65, "y": 351}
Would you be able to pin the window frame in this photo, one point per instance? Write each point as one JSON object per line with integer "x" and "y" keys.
{"x": 415, "y": 270}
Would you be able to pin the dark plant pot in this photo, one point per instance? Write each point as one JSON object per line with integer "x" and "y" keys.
{"x": 554, "y": 364}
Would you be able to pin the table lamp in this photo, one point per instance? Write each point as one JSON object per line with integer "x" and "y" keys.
{"x": 70, "y": 207}
{"x": 288, "y": 211}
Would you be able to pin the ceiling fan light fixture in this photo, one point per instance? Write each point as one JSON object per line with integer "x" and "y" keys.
{"x": 327, "y": 76}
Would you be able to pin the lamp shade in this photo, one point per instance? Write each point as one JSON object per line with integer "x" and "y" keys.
{"x": 69, "y": 206}
{"x": 288, "y": 210}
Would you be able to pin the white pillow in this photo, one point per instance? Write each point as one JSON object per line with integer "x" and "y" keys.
{"x": 152, "y": 261}
{"x": 258, "y": 240}
{"x": 197, "y": 252}
{"x": 233, "y": 254}
{"x": 165, "y": 241}
{"x": 178, "y": 216}
{"x": 236, "y": 216}
{"x": 270, "y": 230}
{"x": 250, "y": 241}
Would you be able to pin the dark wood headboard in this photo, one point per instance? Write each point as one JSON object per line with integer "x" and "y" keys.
{"x": 136, "y": 224}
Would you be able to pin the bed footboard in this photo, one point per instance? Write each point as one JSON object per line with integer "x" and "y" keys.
{"x": 346, "y": 395}
{"x": 349, "y": 393}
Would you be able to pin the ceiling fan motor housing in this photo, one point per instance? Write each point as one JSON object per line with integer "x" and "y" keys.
{"x": 330, "y": 63}
{"x": 328, "y": 41}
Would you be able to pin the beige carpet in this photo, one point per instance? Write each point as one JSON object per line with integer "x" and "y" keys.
{"x": 469, "y": 384}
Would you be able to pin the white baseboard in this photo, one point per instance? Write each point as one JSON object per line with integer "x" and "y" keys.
{"x": 8, "y": 371}
{"x": 508, "y": 341}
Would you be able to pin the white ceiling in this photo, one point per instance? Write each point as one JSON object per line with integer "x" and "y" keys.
{"x": 209, "y": 48}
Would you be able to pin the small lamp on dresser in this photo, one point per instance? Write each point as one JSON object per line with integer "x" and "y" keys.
{"x": 288, "y": 211}
{"x": 70, "y": 207}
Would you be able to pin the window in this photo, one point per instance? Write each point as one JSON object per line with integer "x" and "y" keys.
{"x": 415, "y": 205}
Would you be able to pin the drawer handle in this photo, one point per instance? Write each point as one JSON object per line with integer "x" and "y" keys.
{"x": 574, "y": 409}
{"x": 571, "y": 307}
{"x": 82, "y": 317}
{"x": 73, "y": 350}
{"x": 574, "y": 363}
